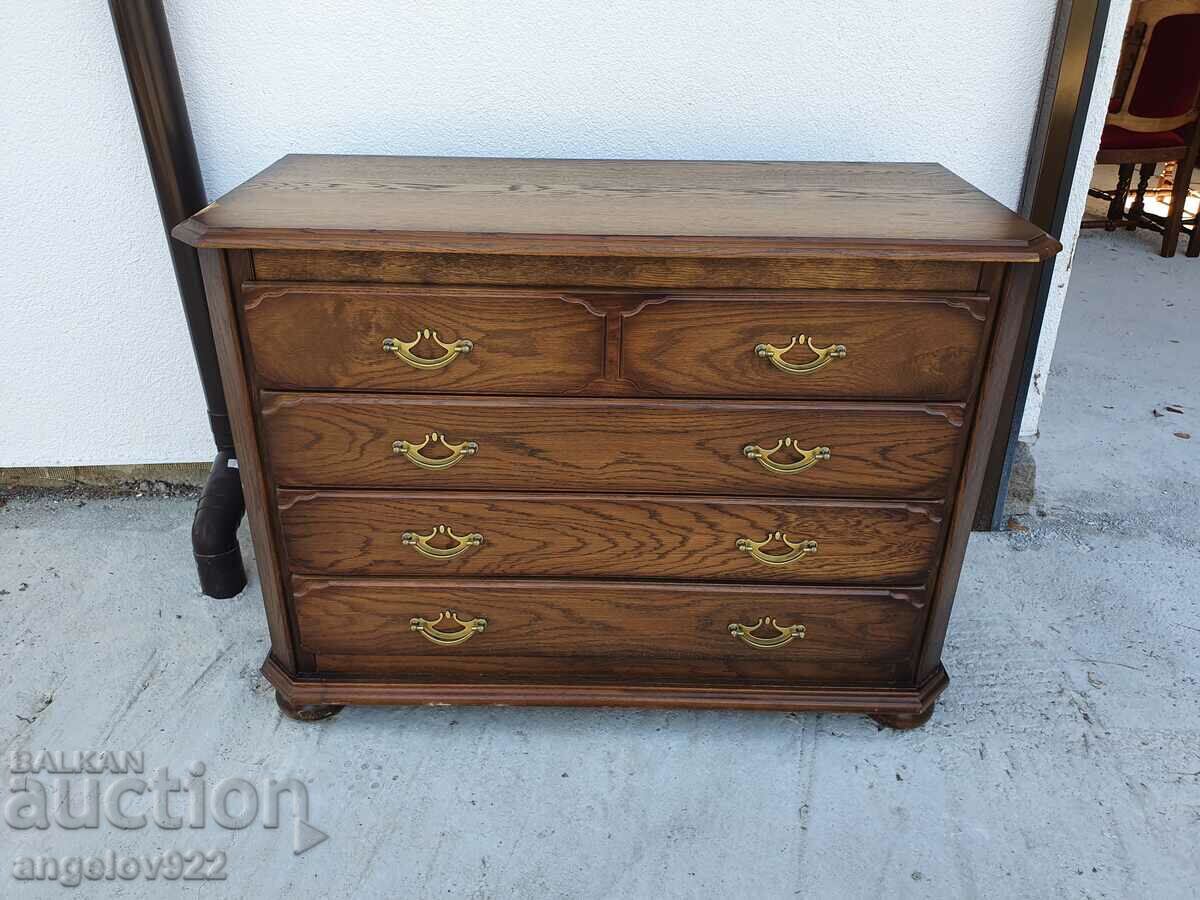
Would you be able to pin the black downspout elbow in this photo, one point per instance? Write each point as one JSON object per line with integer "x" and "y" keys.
{"x": 145, "y": 44}
{"x": 215, "y": 530}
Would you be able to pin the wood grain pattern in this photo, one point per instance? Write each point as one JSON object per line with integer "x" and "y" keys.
{"x": 613, "y": 272}
{"x": 606, "y": 445}
{"x": 215, "y": 268}
{"x": 574, "y": 535}
{"x": 615, "y": 309}
{"x": 331, "y": 336}
{"x": 562, "y": 671}
{"x": 616, "y": 207}
{"x": 995, "y": 278}
{"x": 535, "y": 625}
{"x": 1015, "y": 307}
{"x": 897, "y": 346}
{"x": 689, "y": 692}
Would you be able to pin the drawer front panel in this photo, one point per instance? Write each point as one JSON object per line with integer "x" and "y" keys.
{"x": 742, "y": 345}
{"x": 547, "y": 628}
{"x": 569, "y": 535}
{"x": 660, "y": 446}
{"x": 332, "y": 337}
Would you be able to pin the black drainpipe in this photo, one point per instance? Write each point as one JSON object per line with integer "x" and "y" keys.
{"x": 145, "y": 44}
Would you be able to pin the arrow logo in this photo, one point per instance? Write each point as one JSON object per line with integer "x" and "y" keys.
{"x": 305, "y": 837}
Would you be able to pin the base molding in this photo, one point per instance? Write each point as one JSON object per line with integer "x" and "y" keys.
{"x": 902, "y": 705}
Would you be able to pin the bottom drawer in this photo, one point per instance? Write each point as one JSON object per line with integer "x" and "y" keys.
{"x": 628, "y": 630}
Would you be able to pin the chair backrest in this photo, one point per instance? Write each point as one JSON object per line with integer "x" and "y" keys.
{"x": 1163, "y": 89}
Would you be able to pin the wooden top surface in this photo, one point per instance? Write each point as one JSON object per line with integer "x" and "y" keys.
{"x": 616, "y": 207}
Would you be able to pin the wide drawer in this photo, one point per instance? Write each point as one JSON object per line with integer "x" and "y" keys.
{"x": 810, "y": 344}
{"x": 657, "y": 446}
{"x": 570, "y": 535}
{"x": 847, "y": 345}
{"x": 606, "y": 629}
{"x": 479, "y": 341}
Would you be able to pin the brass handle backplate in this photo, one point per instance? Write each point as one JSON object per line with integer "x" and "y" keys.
{"x": 796, "y": 551}
{"x": 808, "y": 458}
{"x": 420, "y": 543}
{"x": 403, "y": 350}
{"x": 466, "y": 630}
{"x": 825, "y": 355}
{"x": 412, "y": 452}
{"x": 785, "y": 633}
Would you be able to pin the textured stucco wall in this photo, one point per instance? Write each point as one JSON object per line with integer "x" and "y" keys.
{"x": 96, "y": 367}
{"x": 95, "y": 363}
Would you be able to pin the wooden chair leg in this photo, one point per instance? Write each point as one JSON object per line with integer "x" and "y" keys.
{"x": 1179, "y": 195}
{"x": 1116, "y": 209}
{"x": 1146, "y": 171}
{"x": 1193, "y": 247}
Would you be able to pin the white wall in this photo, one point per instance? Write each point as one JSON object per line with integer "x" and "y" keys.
{"x": 1106, "y": 69}
{"x": 95, "y": 363}
{"x": 96, "y": 367}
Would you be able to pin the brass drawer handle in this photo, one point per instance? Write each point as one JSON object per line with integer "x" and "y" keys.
{"x": 420, "y": 543}
{"x": 787, "y": 633}
{"x": 825, "y": 355}
{"x": 412, "y": 452}
{"x": 403, "y": 350}
{"x": 796, "y": 551}
{"x": 466, "y": 630}
{"x": 808, "y": 458}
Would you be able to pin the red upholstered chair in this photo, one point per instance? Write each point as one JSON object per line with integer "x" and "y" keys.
{"x": 1154, "y": 116}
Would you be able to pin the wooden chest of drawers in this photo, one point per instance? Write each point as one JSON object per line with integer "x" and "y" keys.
{"x": 645, "y": 433}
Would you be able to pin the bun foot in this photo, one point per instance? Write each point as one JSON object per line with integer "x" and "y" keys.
{"x": 312, "y": 712}
{"x": 903, "y": 721}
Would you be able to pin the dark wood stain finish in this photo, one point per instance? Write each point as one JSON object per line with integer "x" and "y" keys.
{"x": 661, "y": 446}
{"x": 546, "y": 628}
{"x": 610, "y": 535}
{"x": 693, "y": 689}
{"x": 614, "y": 308}
{"x": 215, "y": 267}
{"x": 575, "y": 207}
{"x": 897, "y": 346}
{"x": 366, "y": 267}
{"x": 331, "y": 336}
{"x": 989, "y": 411}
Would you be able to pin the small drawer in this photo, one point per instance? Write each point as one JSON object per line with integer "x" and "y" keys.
{"x": 852, "y": 345}
{"x": 515, "y": 629}
{"x": 598, "y": 536}
{"x": 607, "y": 445}
{"x": 367, "y": 337}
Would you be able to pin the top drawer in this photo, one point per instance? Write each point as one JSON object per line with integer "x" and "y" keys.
{"x": 745, "y": 344}
{"x": 332, "y": 336}
{"x": 848, "y": 345}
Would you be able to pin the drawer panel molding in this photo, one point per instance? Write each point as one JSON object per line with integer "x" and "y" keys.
{"x": 614, "y": 445}
{"x": 852, "y": 345}
{"x": 415, "y": 339}
{"x": 771, "y": 344}
{"x": 614, "y": 432}
{"x": 596, "y": 536}
{"x": 865, "y": 635}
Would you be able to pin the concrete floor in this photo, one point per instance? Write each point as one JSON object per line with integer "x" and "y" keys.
{"x": 1064, "y": 760}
